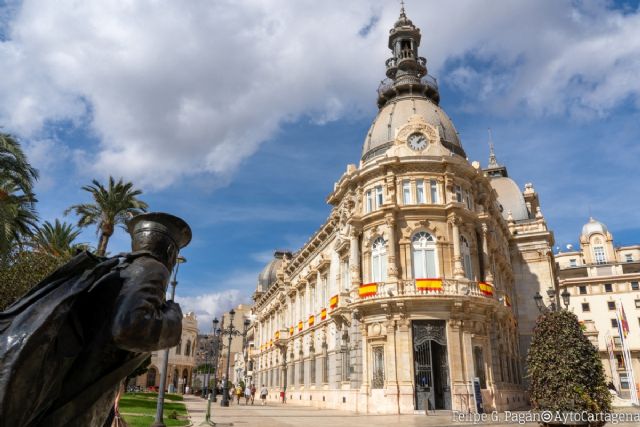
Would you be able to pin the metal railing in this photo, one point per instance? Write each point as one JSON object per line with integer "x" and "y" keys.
{"x": 452, "y": 287}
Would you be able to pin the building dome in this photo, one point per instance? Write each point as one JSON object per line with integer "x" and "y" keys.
{"x": 396, "y": 113}
{"x": 510, "y": 198}
{"x": 267, "y": 276}
{"x": 594, "y": 226}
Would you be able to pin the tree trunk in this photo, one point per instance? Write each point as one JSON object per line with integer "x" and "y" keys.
{"x": 102, "y": 244}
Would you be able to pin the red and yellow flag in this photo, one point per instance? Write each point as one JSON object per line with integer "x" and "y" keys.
{"x": 368, "y": 290}
{"x": 290, "y": 331}
{"x": 312, "y": 320}
{"x": 333, "y": 302}
{"x": 270, "y": 343}
{"x": 429, "y": 285}
{"x": 486, "y": 289}
{"x": 300, "y": 326}
{"x": 277, "y": 335}
{"x": 323, "y": 314}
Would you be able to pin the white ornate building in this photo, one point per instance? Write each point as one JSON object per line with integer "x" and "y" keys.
{"x": 598, "y": 276}
{"x": 421, "y": 279}
{"x": 182, "y": 360}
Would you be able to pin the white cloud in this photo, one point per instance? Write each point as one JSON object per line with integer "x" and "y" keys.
{"x": 174, "y": 89}
{"x": 208, "y": 306}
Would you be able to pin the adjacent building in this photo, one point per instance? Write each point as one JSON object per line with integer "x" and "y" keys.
{"x": 417, "y": 291}
{"x": 182, "y": 360}
{"x": 600, "y": 276}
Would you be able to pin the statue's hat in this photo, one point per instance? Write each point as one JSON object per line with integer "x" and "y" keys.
{"x": 172, "y": 226}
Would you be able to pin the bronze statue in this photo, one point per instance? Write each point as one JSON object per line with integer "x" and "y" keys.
{"x": 67, "y": 344}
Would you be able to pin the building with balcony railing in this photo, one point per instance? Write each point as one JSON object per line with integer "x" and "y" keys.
{"x": 600, "y": 276}
{"x": 419, "y": 282}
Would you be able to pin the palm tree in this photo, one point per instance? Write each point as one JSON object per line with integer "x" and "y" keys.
{"x": 56, "y": 239}
{"x": 112, "y": 206}
{"x": 18, "y": 217}
{"x": 14, "y": 167}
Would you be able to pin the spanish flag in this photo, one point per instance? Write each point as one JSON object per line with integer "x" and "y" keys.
{"x": 333, "y": 302}
{"x": 277, "y": 334}
{"x": 270, "y": 343}
{"x": 486, "y": 289}
{"x": 323, "y": 314}
{"x": 429, "y": 285}
{"x": 290, "y": 331}
{"x": 300, "y": 325}
{"x": 368, "y": 290}
{"x": 312, "y": 320}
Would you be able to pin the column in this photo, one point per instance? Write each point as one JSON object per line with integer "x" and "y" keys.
{"x": 488, "y": 275}
{"x": 458, "y": 270}
{"x": 392, "y": 265}
{"x": 364, "y": 388}
{"x": 354, "y": 258}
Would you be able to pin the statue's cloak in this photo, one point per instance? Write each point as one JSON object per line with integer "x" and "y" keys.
{"x": 57, "y": 356}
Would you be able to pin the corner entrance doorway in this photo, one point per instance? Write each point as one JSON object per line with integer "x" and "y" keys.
{"x": 431, "y": 369}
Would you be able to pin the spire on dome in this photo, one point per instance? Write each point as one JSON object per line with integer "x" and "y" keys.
{"x": 406, "y": 70}
{"x": 494, "y": 169}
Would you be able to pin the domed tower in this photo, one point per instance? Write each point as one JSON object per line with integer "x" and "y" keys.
{"x": 408, "y": 291}
{"x": 597, "y": 243}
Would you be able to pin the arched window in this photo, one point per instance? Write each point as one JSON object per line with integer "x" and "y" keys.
{"x": 598, "y": 254}
{"x": 179, "y": 346}
{"x": 379, "y": 260}
{"x": 424, "y": 256}
{"x": 466, "y": 258}
{"x": 187, "y": 348}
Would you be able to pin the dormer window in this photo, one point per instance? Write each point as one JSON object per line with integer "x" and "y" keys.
{"x": 573, "y": 262}
{"x": 628, "y": 257}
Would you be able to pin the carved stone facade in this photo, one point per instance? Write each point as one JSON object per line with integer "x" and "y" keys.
{"x": 420, "y": 280}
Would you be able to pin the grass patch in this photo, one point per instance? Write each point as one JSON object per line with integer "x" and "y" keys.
{"x": 146, "y": 421}
{"x": 146, "y": 403}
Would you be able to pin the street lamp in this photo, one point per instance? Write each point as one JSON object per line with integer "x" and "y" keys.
{"x": 231, "y": 332}
{"x": 215, "y": 347}
{"x": 554, "y": 305}
{"x": 158, "y": 422}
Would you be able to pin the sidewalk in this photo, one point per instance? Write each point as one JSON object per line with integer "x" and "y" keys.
{"x": 276, "y": 414}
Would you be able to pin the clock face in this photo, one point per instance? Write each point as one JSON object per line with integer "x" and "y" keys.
{"x": 417, "y": 141}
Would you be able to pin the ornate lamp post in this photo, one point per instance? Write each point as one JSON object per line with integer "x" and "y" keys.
{"x": 215, "y": 347}
{"x": 158, "y": 422}
{"x": 554, "y": 305}
{"x": 231, "y": 332}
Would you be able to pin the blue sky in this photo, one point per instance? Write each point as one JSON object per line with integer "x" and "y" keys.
{"x": 240, "y": 115}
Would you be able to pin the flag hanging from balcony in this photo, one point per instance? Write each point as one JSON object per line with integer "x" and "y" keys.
{"x": 290, "y": 330}
{"x": 300, "y": 326}
{"x": 277, "y": 335}
{"x": 270, "y": 343}
{"x": 368, "y": 290}
{"x": 312, "y": 320}
{"x": 323, "y": 314}
{"x": 486, "y": 289}
{"x": 333, "y": 302}
{"x": 432, "y": 285}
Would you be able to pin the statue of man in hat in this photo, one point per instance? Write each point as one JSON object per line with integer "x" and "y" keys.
{"x": 66, "y": 345}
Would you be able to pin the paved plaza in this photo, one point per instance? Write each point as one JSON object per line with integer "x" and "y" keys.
{"x": 275, "y": 414}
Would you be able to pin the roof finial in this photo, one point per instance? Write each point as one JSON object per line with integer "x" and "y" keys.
{"x": 493, "y": 162}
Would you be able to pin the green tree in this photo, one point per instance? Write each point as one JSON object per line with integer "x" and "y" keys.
{"x": 56, "y": 239}
{"x": 112, "y": 205}
{"x": 564, "y": 368}
{"x": 22, "y": 270}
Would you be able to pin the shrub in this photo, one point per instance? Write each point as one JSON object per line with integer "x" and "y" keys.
{"x": 564, "y": 368}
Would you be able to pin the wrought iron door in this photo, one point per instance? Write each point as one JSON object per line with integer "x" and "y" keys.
{"x": 431, "y": 372}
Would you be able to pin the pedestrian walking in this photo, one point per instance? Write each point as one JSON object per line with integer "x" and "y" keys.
{"x": 238, "y": 392}
{"x": 263, "y": 394}
{"x": 247, "y": 394}
{"x": 253, "y": 393}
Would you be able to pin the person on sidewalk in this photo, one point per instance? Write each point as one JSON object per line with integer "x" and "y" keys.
{"x": 247, "y": 394}
{"x": 263, "y": 394}
{"x": 253, "y": 393}
{"x": 239, "y": 392}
